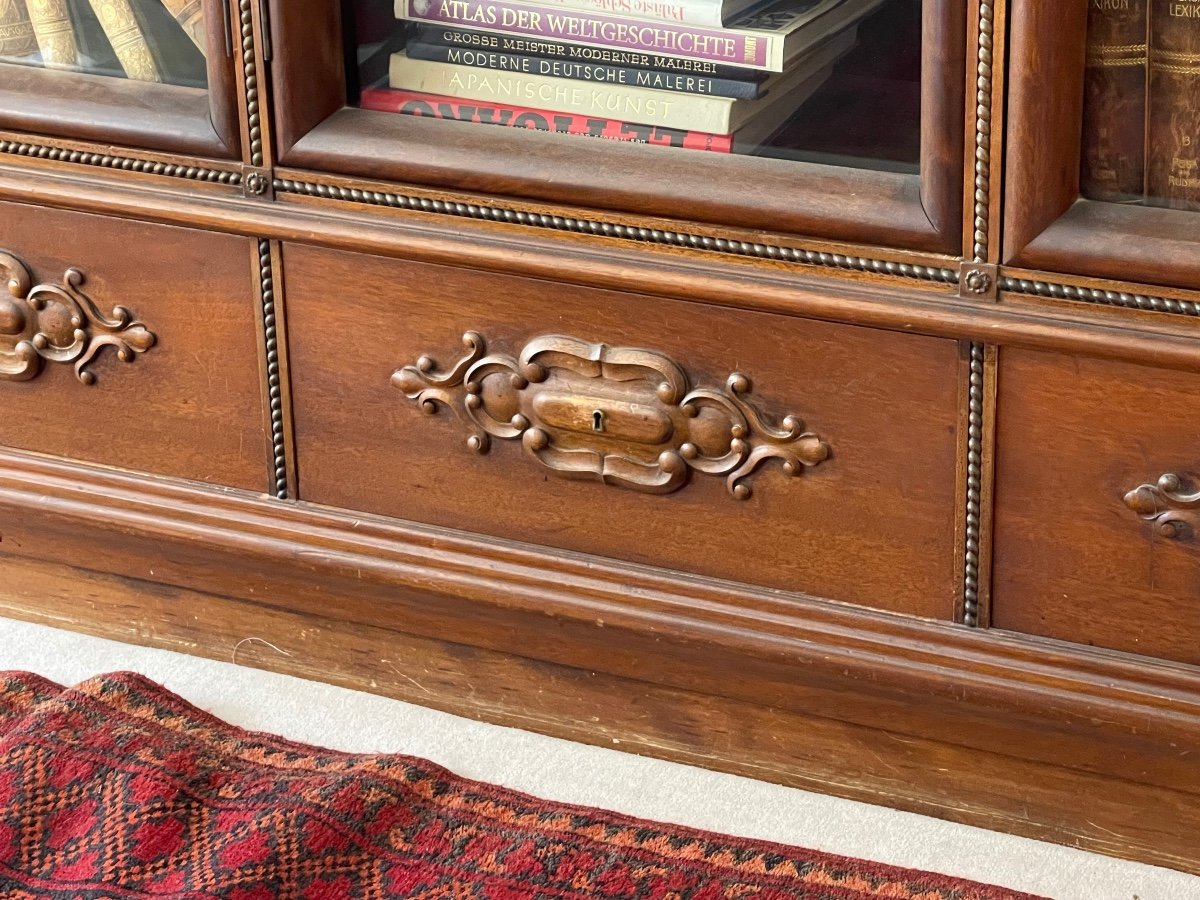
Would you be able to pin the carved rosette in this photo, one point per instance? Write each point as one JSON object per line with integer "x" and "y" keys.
{"x": 625, "y": 416}
{"x": 59, "y": 323}
{"x": 1172, "y": 509}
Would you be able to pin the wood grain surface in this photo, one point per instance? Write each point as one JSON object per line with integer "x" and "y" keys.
{"x": 875, "y": 520}
{"x": 1072, "y": 560}
{"x": 189, "y": 406}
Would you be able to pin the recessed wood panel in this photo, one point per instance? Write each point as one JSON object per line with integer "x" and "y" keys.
{"x": 871, "y": 524}
{"x": 190, "y": 406}
{"x": 1074, "y": 559}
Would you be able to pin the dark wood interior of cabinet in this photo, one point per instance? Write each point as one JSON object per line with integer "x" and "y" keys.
{"x": 1047, "y": 225}
{"x": 317, "y": 130}
{"x": 167, "y": 117}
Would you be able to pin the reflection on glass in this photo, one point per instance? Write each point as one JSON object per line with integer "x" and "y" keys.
{"x": 834, "y": 81}
{"x": 143, "y": 40}
{"x": 1141, "y": 116}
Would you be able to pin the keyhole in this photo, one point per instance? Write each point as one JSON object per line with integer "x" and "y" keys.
{"x": 598, "y": 420}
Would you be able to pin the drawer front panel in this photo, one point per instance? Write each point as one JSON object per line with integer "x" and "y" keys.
{"x": 131, "y": 345}
{"x": 609, "y": 423}
{"x": 1093, "y": 544}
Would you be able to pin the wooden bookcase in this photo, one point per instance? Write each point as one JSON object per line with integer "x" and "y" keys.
{"x": 237, "y": 401}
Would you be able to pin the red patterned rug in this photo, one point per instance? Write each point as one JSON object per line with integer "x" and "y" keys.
{"x": 119, "y": 789}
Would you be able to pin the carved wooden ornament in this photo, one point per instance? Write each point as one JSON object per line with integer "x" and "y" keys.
{"x": 59, "y": 323}
{"x": 1173, "y": 511}
{"x": 627, "y": 417}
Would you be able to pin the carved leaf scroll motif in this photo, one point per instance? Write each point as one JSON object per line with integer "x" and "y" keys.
{"x": 1173, "y": 510}
{"x": 625, "y": 416}
{"x": 59, "y": 323}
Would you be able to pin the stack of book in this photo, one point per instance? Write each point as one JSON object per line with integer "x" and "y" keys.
{"x": 1141, "y": 121}
{"x": 664, "y": 72}
{"x": 96, "y": 35}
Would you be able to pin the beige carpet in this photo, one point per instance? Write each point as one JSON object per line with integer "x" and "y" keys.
{"x": 346, "y": 720}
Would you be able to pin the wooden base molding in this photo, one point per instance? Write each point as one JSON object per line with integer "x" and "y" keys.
{"x": 967, "y": 725}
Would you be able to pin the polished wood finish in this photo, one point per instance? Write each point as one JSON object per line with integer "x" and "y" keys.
{"x": 184, "y": 120}
{"x": 188, "y": 406}
{"x": 833, "y": 757}
{"x": 960, "y": 580}
{"x": 1107, "y": 713}
{"x": 1073, "y": 560}
{"x": 917, "y": 212}
{"x": 1046, "y": 224}
{"x": 862, "y": 515}
{"x": 93, "y": 107}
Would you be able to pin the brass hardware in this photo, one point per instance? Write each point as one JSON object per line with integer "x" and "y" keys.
{"x": 978, "y": 281}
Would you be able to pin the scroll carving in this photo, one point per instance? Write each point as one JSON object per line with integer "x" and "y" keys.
{"x": 1173, "y": 510}
{"x": 625, "y": 416}
{"x": 59, "y": 323}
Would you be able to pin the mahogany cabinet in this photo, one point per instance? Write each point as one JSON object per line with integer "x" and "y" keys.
{"x": 862, "y": 458}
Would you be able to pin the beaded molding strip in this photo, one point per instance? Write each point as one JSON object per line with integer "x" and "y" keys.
{"x": 626, "y": 232}
{"x": 1104, "y": 298}
{"x": 250, "y": 78}
{"x": 124, "y": 163}
{"x": 266, "y": 277}
{"x": 983, "y": 132}
{"x": 974, "y": 509}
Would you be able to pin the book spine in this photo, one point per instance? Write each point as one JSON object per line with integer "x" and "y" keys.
{"x": 190, "y": 16}
{"x": 1114, "y": 109}
{"x": 750, "y": 49}
{"x": 630, "y": 59}
{"x": 56, "y": 38}
{"x": 648, "y": 107}
{"x": 414, "y": 103}
{"x": 577, "y": 71}
{"x": 129, "y": 44}
{"x": 17, "y": 39}
{"x": 1173, "y": 119}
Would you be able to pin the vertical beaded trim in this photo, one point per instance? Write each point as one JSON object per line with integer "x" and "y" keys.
{"x": 250, "y": 75}
{"x": 266, "y": 277}
{"x": 983, "y": 131}
{"x": 974, "y": 486}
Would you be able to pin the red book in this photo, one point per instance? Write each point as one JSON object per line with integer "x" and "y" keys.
{"x": 415, "y": 103}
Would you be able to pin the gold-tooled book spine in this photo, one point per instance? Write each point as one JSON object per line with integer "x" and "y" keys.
{"x": 1173, "y": 123}
{"x": 1114, "y": 105}
{"x": 129, "y": 44}
{"x": 190, "y": 15}
{"x": 17, "y": 39}
{"x": 55, "y": 35}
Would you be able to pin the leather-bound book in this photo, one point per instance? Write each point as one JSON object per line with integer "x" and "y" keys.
{"x": 1114, "y": 106}
{"x": 125, "y": 34}
{"x": 55, "y": 35}
{"x": 17, "y": 40}
{"x": 190, "y": 15}
{"x": 1173, "y": 123}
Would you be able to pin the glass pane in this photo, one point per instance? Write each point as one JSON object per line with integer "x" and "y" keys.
{"x": 144, "y": 40}
{"x": 1141, "y": 120}
{"x": 831, "y": 81}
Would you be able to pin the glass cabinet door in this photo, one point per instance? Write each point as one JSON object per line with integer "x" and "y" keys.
{"x": 1103, "y": 141}
{"x": 133, "y": 71}
{"x": 842, "y": 118}
{"x": 835, "y": 81}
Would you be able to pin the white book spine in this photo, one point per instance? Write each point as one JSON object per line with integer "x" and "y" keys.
{"x": 645, "y": 106}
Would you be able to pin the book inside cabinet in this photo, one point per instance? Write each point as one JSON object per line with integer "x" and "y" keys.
{"x": 834, "y": 117}
{"x": 1103, "y": 163}
{"x": 150, "y": 73}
